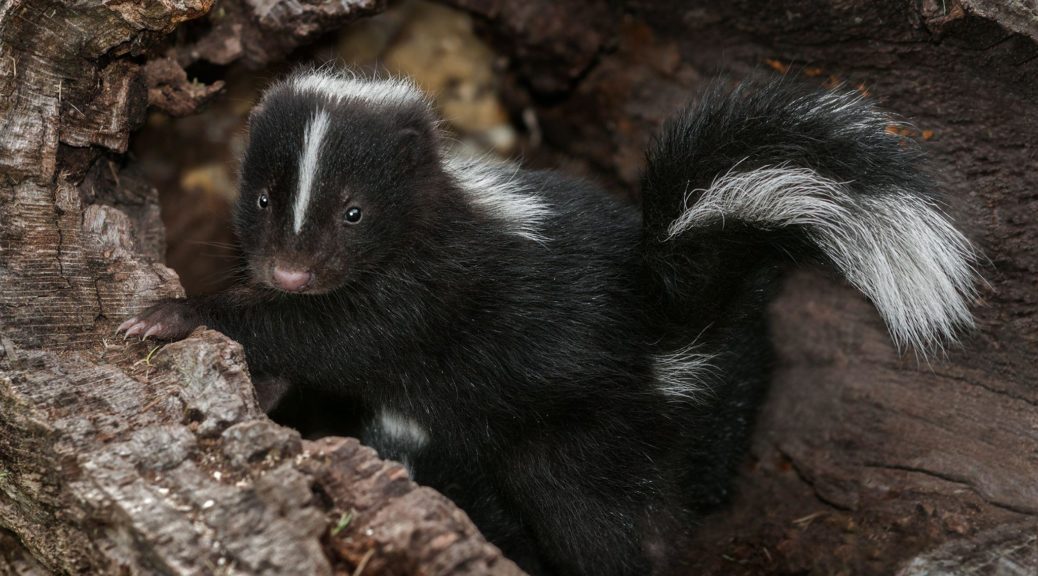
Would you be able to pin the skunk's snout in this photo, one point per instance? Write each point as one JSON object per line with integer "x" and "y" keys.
{"x": 292, "y": 280}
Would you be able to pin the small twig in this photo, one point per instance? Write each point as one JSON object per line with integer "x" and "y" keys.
{"x": 115, "y": 175}
{"x": 147, "y": 359}
{"x": 151, "y": 404}
{"x": 364, "y": 562}
{"x": 806, "y": 520}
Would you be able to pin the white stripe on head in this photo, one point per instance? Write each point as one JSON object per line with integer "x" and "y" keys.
{"x": 339, "y": 86}
{"x": 498, "y": 189}
{"x": 309, "y": 163}
{"x": 894, "y": 246}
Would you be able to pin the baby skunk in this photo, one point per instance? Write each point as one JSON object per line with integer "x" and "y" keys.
{"x": 579, "y": 375}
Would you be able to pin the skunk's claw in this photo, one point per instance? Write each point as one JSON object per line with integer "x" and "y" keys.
{"x": 126, "y": 325}
{"x": 167, "y": 320}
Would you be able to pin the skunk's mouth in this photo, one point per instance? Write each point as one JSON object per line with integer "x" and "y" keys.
{"x": 311, "y": 291}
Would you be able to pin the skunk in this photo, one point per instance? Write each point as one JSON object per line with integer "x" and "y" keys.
{"x": 579, "y": 375}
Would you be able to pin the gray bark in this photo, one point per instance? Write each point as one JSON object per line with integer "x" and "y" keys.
{"x": 118, "y": 457}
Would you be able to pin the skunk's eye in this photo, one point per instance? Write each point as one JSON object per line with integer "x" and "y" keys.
{"x": 262, "y": 201}
{"x": 353, "y": 215}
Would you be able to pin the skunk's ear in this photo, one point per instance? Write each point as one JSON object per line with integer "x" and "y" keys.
{"x": 256, "y": 111}
{"x": 415, "y": 144}
{"x": 408, "y": 134}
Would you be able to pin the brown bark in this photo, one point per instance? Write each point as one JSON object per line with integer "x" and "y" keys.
{"x": 863, "y": 458}
{"x": 117, "y": 457}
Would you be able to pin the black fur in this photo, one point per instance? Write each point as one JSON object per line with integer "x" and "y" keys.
{"x": 530, "y": 364}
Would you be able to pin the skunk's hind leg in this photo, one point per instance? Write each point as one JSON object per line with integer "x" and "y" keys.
{"x": 595, "y": 501}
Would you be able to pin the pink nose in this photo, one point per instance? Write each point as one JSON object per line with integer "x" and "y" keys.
{"x": 291, "y": 280}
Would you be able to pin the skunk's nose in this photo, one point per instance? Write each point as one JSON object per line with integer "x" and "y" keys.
{"x": 292, "y": 280}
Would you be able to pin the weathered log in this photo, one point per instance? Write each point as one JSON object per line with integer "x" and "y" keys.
{"x": 120, "y": 457}
{"x": 863, "y": 457}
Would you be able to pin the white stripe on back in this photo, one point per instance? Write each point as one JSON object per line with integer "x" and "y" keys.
{"x": 308, "y": 166}
{"x": 499, "y": 189}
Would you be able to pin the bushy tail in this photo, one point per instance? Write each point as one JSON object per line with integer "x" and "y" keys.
{"x": 780, "y": 169}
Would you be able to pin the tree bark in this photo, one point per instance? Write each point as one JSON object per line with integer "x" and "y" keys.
{"x": 120, "y": 457}
{"x": 863, "y": 457}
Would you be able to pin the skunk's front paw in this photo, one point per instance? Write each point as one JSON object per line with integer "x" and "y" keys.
{"x": 167, "y": 320}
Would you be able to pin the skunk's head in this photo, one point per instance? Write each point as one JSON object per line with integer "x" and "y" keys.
{"x": 332, "y": 178}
